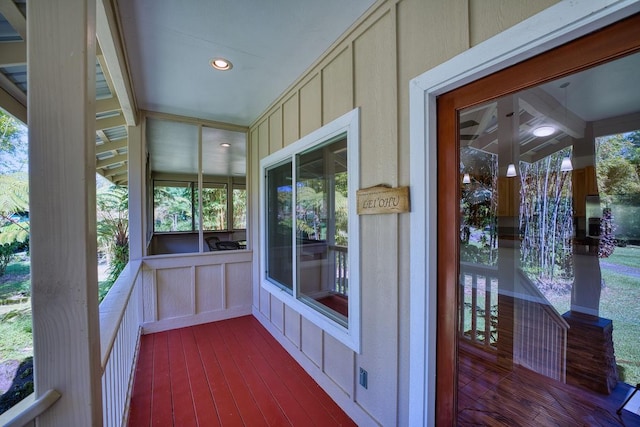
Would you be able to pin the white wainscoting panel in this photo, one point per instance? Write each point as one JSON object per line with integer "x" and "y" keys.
{"x": 186, "y": 290}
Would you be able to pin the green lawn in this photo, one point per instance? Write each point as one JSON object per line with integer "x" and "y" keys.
{"x": 629, "y": 256}
{"x": 15, "y": 319}
{"x": 620, "y": 302}
{"x": 16, "y": 278}
{"x": 15, "y": 329}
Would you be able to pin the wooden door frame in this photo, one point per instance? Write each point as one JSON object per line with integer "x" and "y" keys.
{"x": 434, "y": 154}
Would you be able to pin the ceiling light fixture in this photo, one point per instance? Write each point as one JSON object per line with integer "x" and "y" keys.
{"x": 466, "y": 179}
{"x": 566, "y": 165}
{"x": 511, "y": 170}
{"x": 225, "y": 145}
{"x": 544, "y": 131}
{"x": 221, "y": 64}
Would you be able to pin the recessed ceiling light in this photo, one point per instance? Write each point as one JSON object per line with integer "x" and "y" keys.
{"x": 225, "y": 145}
{"x": 221, "y": 64}
{"x": 544, "y": 131}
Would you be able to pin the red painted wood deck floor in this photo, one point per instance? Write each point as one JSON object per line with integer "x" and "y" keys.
{"x": 227, "y": 373}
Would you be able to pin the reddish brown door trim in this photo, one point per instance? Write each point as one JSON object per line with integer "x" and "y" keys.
{"x": 612, "y": 42}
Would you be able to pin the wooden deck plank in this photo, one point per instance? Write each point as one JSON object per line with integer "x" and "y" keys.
{"x": 241, "y": 393}
{"x": 161, "y": 403}
{"x": 266, "y": 393}
{"x": 204, "y": 406}
{"x": 182, "y": 400}
{"x": 228, "y": 412}
{"x": 488, "y": 395}
{"x": 140, "y": 413}
{"x": 293, "y": 370}
{"x": 323, "y": 411}
{"x": 296, "y": 412}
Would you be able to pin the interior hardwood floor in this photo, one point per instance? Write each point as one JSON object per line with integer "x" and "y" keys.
{"x": 491, "y": 396}
{"x": 227, "y": 373}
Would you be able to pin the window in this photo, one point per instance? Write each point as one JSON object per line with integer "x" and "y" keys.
{"x": 239, "y": 208}
{"x": 197, "y": 187}
{"x": 173, "y": 206}
{"x": 214, "y": 207}
{"x": 310, "y": 228}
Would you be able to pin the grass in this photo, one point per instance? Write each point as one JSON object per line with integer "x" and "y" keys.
{"x": 628, "y": 256}
{"x": 15, "y": 330}
{"x": 16, "y": 280}
{"x": 16, "y": 341}
{"x": 620, "y": 302}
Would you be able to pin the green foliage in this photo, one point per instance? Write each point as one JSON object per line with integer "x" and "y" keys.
{"x": 113, "y": 229}
{"x": 239, "y": 208}
{"x": 214, "y": 208}
{"x": 10, "y": 132}
{"x": 7, "y": 254}
{"x": 546, "y": 218}
{"x": 172, "y": 208}
{"x": 617, "y": 160}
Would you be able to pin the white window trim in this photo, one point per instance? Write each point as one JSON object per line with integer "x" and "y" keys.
{"x": 349, "y": 123}
{"x": 563, "y": 22}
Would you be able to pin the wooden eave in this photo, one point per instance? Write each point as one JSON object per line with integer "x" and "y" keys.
{"x": 114, "y": 113}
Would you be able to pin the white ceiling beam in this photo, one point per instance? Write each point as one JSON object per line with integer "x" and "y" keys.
{"x": 13, "y": 90}
{"x": 550, "y": 149}
{"x": 538, "y": 102}
{"x": 111, "y": 122}
{"x": 112, "y": 146}
{"x": 106, "y": 105}
{"x": 107, "y": 173}
{"x": 103, "y": 136}
{"x": 112, "y": 47}
{"x": 12, "y": 106}
{"x": 13, "y": 53}
{"x": 111, "y": 161}
{"x": 15, "y": 18}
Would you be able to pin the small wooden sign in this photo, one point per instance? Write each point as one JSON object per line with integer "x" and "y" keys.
{"x": 382, "y": 200}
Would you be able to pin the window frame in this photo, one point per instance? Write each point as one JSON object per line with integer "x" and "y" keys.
{"x": 347, "y": 124}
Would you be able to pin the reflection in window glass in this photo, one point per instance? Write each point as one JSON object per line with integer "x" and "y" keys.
{"x": 214, "y": 207}
{"x": 321, "y": 229}
{"x": 279, "y": 225}
{"x": 239, "y": 208}
{"x": 172, "y": 206}
{"x": 549, "y": 253}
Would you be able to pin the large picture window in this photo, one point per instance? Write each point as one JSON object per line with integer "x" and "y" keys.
{"x": 310, "y": 233}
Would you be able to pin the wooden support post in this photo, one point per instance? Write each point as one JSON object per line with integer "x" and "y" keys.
{"x": 508, "y": 211}
{"x": 62, "y": 178}
{"x": 137, "y": 191}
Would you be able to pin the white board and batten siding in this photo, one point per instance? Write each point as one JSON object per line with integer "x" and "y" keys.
{"x": 187, "y": 290}
{"x": 370, "y": 68}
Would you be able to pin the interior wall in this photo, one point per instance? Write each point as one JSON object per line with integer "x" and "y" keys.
{"x": 370, "y": 67}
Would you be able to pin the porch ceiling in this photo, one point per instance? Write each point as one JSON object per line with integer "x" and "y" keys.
{"x": 607, "y": 93}
{"x": 155, "y": 54}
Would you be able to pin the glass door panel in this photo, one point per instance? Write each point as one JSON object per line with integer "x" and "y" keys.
{"x": 549, "y": 251}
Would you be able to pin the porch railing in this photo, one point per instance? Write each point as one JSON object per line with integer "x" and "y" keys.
{"x": 540, "y": 332}
{"x": 540, "y": 338}
{"x": 338, "y": 256}
{"x": 478, "y": 305}
{"x": 119, "y": 338}
{"x": 25, "y": 412}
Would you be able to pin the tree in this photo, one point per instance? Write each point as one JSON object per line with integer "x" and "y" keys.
{"x": 546, "y": 218}
{"x": 113, "y": 228}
